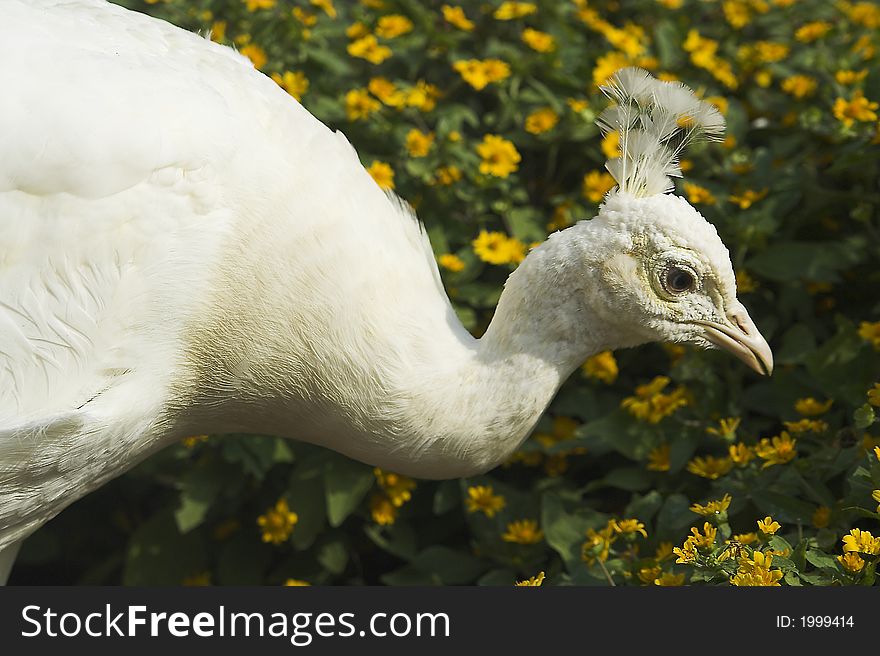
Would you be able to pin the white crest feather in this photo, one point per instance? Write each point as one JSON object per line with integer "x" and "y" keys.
{"x": 656, "y": 121}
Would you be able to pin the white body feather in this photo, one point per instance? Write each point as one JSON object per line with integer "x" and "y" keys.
{"x": 184, "y": 248}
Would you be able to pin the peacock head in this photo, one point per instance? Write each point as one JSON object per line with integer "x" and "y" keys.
{"x": 667, "y": 273}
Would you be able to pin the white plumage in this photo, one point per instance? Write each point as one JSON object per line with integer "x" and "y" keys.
{"x": 185, "y": 249}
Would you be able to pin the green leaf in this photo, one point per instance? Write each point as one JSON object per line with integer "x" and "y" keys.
{"x": 449, "y": 566}
{"x": 447, "y": 497}
{"x": 565, "y": 528}
{"x": 346, "y": 482}
{"x": 821, "y": 559}
{"x": 307, "y": 500}
{"x": 675, "y": 515}
{"x": 158, "y": 554}
{"x": 333, "y": 554}
{"x": 863, "y": 417}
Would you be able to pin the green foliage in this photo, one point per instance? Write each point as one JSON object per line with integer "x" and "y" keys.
{"x": 794, "y": 195}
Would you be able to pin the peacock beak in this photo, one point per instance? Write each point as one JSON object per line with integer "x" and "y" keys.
{"x": 741, "y": 337}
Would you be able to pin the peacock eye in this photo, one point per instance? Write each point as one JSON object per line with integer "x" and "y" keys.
{"x": 678, "y": 280}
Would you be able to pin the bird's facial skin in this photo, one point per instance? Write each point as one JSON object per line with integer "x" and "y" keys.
{"x": 674, "y": 274}
{"x": 694, "y": 308}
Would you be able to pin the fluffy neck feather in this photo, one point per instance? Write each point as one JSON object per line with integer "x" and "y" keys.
{"x": 417, "y": 395}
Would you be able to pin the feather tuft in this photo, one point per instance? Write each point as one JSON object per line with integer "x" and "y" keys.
{"x": 656, "y": 121}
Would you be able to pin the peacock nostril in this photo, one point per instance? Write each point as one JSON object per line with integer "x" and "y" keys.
{"x": 740, "y": 322}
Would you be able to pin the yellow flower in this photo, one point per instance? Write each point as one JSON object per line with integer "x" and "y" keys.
{"x": 663, "y": 551}
{"x": 627, "y": 526}
{"x": 756, "y": 571}
{"x": 776, "y": 450}
{"x": 598, "y": 544}
{"x": 455, "y": 16}
{"x": 712, "y": 507}
{"x": 397, "y": 488}
{"x": 763, "y": 78}
{"x": 607, "y": 65}
{"x": 737, "y": 13}
{"x": 861, "y": 542}
{"x": 768, "y": 526}
{"x": 326, "y": 5}
{"x": 658, "y": 459}
{"x": 852, "y": 562}
{"x": 874, "y": 395}
{"x": 875, "y": 495}
{"x": 538, "y": 41}
{"x": 848, "y": 77}
{"x": 392, "y": 26}
{"x": 668, "y": 579}
{"x": 359, "y": 104}
{"x": 447, "y": 175}
{"x": 719, "y": 102}
{"x": 710, "y": 467}
{"x": 419, "y": 143}
{"x": 451, "y": 262}
{"x": 577, "y": 105}
{"x": 740, "y": 454}
{"x": 307, "y": 18}
{"x": 383, "y": 511}
{"x": 479, "y": 73}
{"x": 254, "y": 5}
{"x": 499, "y": 156}
{"x": 533, "y": 581}
{"x": 821, "y": 517}
{"x": 698, "y": 195}
{"x": 799, "y": 86}
{"x": 768, "y": 52}
{"x": 650, "y": 404}
{"x": 647, "y": 575}
{"x": 367, "y": 47}
{"x": 870, "y": 332}
{"x": 497, "y": 248}
{"x": 745, "y": 283}
{"x": 671, "y": 4}
{"x": 563, "y": 429}
{"x": 877, "y": 452}
{"x": 811, "y": 31}
{"x": 857, "y": 109}
{"x": 218, "y": 31}
{"x": 810, "y": 407}
{"x": 704, "y": 541}
{"x": 386, "y": 91}
{"x": 806, "y": 426}
{"x": 193, "y": 440}
{"x": 523, "y": 531}
{"x": 513, "y": 10}
{"x": 482, "y": 499}
{"x": 746, "y": 538}
{"x": 296, "y": 84}
{"x": 256, "y": 54}
{"x": 382, "y": 173}
{"x": 687, "y": 553}
{"x": 596, "y": 184}
{"x": 601, "y": 366}
{"x": 277, "y": 523}
{"x": 541, "y": 120}
{"x": 611, "y": 145}
{"x": 748, "y": 198}
{"x": 423, "y": 96}
{"x": 726, "y": 428}
{"x": 357, "y": 30}
{"x": 296, "y": 583}
{"x": 866, "y": 14}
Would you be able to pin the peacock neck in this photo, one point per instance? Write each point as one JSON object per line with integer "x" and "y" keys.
{"x": 482, "y": 402}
